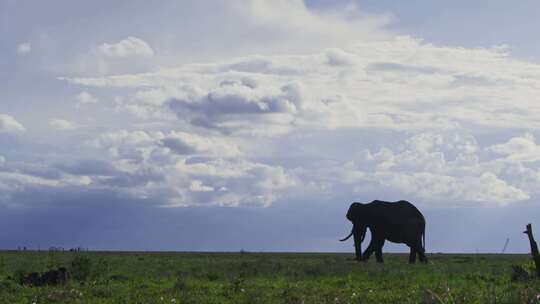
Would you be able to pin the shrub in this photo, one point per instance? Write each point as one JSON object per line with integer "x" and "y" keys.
{"x": 212, "y": 276}
{"x": 519, "y": 274}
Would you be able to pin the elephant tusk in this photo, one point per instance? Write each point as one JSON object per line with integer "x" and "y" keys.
{"x": 343, "y": 240}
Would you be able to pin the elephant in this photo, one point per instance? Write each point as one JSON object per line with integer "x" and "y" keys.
{"x": 397, "y": 222}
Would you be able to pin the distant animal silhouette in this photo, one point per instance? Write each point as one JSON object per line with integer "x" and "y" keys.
{"x": 398, "y": 222}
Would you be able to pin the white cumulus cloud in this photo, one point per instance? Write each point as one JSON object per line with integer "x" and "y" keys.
{"x": 85, "y": 98}
{"x": 520, "y": 148}
{"x": 131, "y": 46}
{"x": 8, "y": 124}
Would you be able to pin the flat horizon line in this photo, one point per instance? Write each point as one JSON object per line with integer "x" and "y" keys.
{"x": 248, "y": 252}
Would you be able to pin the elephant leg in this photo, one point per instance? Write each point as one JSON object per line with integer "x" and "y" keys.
{"x": 420, "y": 250}
{"x": 378, "y": 255}
{"x": 368, "y": 252}
{"x": 378, "y": 251}
{"x": 412, "y": 256}
{"x": 422, "y": 256}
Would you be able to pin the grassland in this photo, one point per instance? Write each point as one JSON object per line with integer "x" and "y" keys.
{"x": 267, "y": 278}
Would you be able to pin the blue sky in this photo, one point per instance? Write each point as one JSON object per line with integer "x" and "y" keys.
{"x": 228, "y": 125}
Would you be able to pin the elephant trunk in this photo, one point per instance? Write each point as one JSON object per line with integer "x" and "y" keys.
{"x": 359, "y": 232}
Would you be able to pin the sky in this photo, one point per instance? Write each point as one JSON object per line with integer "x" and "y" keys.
{"x": 252, "y": 125}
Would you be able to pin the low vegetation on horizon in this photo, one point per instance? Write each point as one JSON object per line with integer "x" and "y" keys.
{"x": 266, "y": 278}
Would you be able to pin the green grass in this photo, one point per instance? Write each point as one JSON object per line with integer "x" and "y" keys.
{"x": 270, "y": 278}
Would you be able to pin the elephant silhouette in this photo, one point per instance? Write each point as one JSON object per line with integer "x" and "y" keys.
{"x": 397, "y": 222}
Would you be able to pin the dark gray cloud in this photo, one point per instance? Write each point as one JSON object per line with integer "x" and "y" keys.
{"x": 236, "y": 106}
{"x": 238, "y": 100}
{"x": 178, "y": 145}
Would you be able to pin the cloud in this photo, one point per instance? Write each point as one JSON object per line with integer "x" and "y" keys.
{"x": 521, "y": 148}
{"x": 432, "y": 167}
{"x": 14, "y": 183}
{"x": 88, "y": 167}
{"x": 283, "y": 105}
{"x": 123, "y": 144}
{"x": 130, "y": 55}
{"x": 402, "y": 83}
{"x": 338, "y": 57}
{"x": 486, "y": 189}
{"x": 236, "y": 106}
{"x": 178, "y": 169}
{"x": 62, "y": 125}
{"x": 129, "y": 47}
{"x": 294, "y": 26}
{"x": 191, "y": 144}
{"x": 84, "y": 98}
{"x": 238, "y": 183}
{"x": 24, "y": 48}
{"x": 8, "y": 124}
{"x": 253, "y": 27}
{"x": 197, "y": 186}
{"x": 431, "y": 103}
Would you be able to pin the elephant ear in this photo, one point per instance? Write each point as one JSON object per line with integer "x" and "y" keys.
{"x": 352, "y": 213}
{"x": 358, "y": 212}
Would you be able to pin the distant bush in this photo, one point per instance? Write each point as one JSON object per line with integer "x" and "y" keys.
{"x": 81, "y": 268}
{"x": 212, "y": 276}
{"x": 180, "y": 283}
{"x": 524, "y": 272}
{"x": 530, "y": 267}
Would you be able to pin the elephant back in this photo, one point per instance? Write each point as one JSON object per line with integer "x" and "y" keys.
{"x": 396, "y": 213}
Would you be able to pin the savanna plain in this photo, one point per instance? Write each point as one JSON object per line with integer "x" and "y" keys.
{"x": 138, "y": 277}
